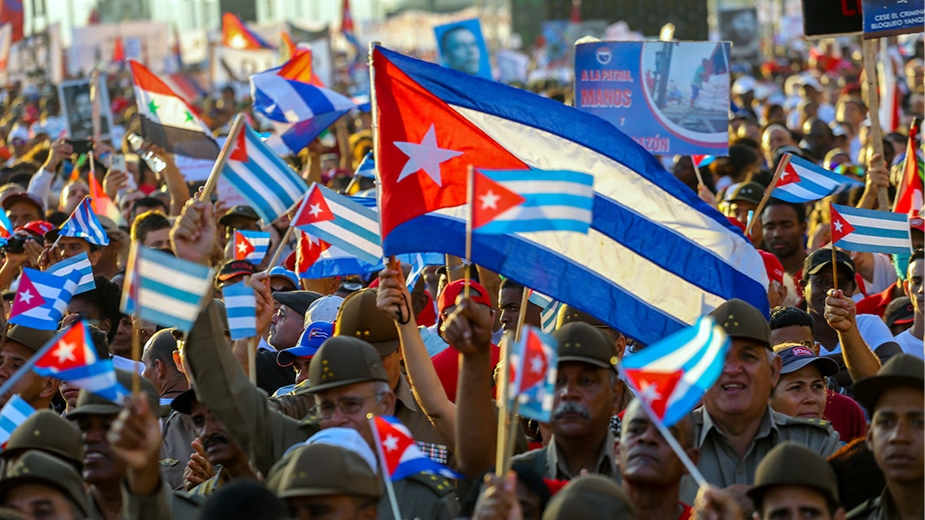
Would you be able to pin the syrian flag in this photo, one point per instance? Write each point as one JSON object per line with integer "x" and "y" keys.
{"x": 168, "y": 120}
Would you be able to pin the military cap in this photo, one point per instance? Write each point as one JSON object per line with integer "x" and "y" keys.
{"x": 748, "y": 192}
{"x": 342, "y": 361}
{"x": 579, "y": 341}
{"x": 92, "y": 404}
{"x": 49, "y": 432}
{"x": 33, "y": 339}
{"x": 240, "y": 210}
{"x": 568, "y": 314}
{"x": 899, "y": 370}
{"x": 822, "y": 259}
{"x": 298, "y": 301}
{"x": 742, "y": 321}
{"x": 324, "y": 469}
{"x": 36, "y": 467}
{"x": 183, "y": 403}
{"x": 591, "y": 497}
{"x": 359, "y": 317}
{"x": 792, "y": 464}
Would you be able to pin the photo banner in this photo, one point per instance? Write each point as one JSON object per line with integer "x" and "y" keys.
{"x": 670, "y": 97}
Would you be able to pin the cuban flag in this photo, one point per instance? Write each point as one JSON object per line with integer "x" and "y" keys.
{"x": 367, "y": 167}
{"x": 549, "y": 312}
{"x": 802, "y": 181}
{"x": 911, "y": 187}
{"x": 672, "y": 375}
{"x": 241, "y": 309}
{"x": 316, "y": 258}
{"x": 164, "y": 289}
{"x": 6, "y": 227}
{"x": 268, "y": 183}
{"x": 251, "y": 245}
{"x": 341, "y": 222}
{"x": 533, "y": 373}
{"x": 298, "y": 111}
{"x": 656, "y": 257}
{"x": 79, "y": 264}
{"x": 870, "y": 231}
{"x": 14, "y": 412}
{"x": 70, "y": 356}
{"x": 398, "y": 453}
{"x": 83, "y": 224}
{"x": 702, "y": 160}
{"x": 42, "y": 298}
{"x": 510, "y": 201}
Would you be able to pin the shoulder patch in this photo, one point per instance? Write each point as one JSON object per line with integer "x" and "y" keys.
{"x": 796, "y": 421}
{"x": 439, "y": 485}
{"x": 168, "y": 462}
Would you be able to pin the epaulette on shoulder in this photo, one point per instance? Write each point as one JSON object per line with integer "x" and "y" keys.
{"x": 440, "y": 485}
{"x": 802, "y": 421}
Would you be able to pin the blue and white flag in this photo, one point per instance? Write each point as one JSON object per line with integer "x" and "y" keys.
{"x": 298, "y": 111}
{"x": 14, "y": 412}
{"x": 80, "y": 264}
{"x": 83, "y": 224}
{"x": 367, "y": 167}
{"x": 340, "y": 222}
{"x": 165, "y": 289}
{"x": 870, "y": 231}
{"x": 803, "y": 181}
{"x": 42, "y": 298}
{"x": 549, "y": 312}
{"x": 70, "y": 356}
{"x": 268, "y": 183}
{"x": 241, "y": 309}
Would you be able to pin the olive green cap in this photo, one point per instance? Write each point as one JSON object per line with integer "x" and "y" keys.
{"x": 34, "y": 339}
{"x": 568, "y": 314}
{"x": 591, "y": 497}
{"x": 324, "y": 469}
{"x": 342, "y": 361}
{"x": 36, "y": 467}
{"x": 579, "y": 341}
{"x": 49, "y": 432}
{"x": 899, "y": 370}
{"x": 792, "y": 464}
{"x": 742, "y": 321}
{"x": 92, "y": 404}
{"x": 359, "y": 317}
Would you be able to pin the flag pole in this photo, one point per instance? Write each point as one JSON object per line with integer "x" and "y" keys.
{"x": 470, "y": 187}
{"x": 384, "y": 467}
{"x": 522, "y": 313}
{"x": 252, "y": 347}
{"x": 279, "y": 247}
{"x": 869, "y": 53}
{"x": 222, "y": 158}
{"x": 834, "y": 269}
{"x": 781, "y": 167}
{"x": 697, "y": 172}
{"x": 503, "y": 404}
{"x": 136, "y": 349}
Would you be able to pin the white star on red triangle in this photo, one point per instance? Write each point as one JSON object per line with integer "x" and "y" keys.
{"x": 426, "y": 156}
{"x": 315, "y": 210}
{"x": 536, "y": 364}
{"x": 838, "y": 225}
{"x": 649, "y": 392}
{"x": 242, "y": 247}
{"x": 26, "y": 296}
{"x": 65, "y": 352}
{"x": 390, "y": 443}
{"x": 489, "y": 200}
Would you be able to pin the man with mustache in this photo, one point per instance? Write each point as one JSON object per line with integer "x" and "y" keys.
{"x": 587, "y": 395}
{"x": 896, "y": 402}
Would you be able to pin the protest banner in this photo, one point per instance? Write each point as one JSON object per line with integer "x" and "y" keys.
{"x": 671, "y": 97}
{"x": 890, "y": 18}
{"x": 142, "y": 41}
{"x": 234, "y": 65}
{"x": 77, "y": 108}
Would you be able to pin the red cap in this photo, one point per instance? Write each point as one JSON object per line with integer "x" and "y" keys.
{"x": 37, "y": 227}
{"x": 773, "y": 266}
{"x": 917, "y": 223}
{"x": 451, "y": 292}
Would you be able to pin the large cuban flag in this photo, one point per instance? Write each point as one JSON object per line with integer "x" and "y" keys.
{"x": 656, "y": 259}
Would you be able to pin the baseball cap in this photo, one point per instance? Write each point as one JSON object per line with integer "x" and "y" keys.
{"x": 796, "y": 357}
{"x": 451, "y": 292}
{"x": 342, "y": 361}
{"x": 740, "y": 320}
{"x": 33, "y": 339}
{"x": 47, "y": 431}
{"x": 899, "y": 312}
{"x": 822, "y": 258}
{"x": 18, "y": 132}
{"x": 792, "y": 464}
{"x": 748, "y": 192}
{"x": 92, "y": 404}
{"x": 296, "y": 300}
{"x": 233, "y": 268}
{"x": 281, "y": 272}
{"x": 240, "y": 210}
{"x": 26, "y": 197}
{"x": 37, "y": 228}
{"x": 900, "y": 370}
{"x": 917, "y": 223}
{"x": 324, "y": 309}
{"x": 773, "y": 266}
{"x": 345, "y": 473}
{"x": 360, "y": 317}
{"x": 36, "y": 467}
{"x": 309, "y": 342}
{"x": 579, "y": 341}
{"x": 590, "y": 496}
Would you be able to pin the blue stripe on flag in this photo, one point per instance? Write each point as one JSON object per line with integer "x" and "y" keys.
{"x": 79, "y": 263}
{"x": 535, "y": 175}
{"x": 241, "y": 310}
{"x": 98, "y": 378}
{"x": 170, "y": 290}
{"x": 554, "y": 199}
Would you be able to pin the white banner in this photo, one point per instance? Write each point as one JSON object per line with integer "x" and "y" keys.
{"x": 6, "y": 41}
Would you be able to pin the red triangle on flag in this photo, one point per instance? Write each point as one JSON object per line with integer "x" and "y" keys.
{"x": 490, "y": 199}
{"x": 788, "y": 176}
{"x": 394, "y": 442}
{"x": 655, "y": 387}
{"x": 242, "y": 246}
{"x": 534, "y": 364}
{"x": 840, "y": 227}
{"x": 27, "y": 297}
{"x": 70, "y": 351}
{"x": 313, "y": 209}
{"x": 310, "y": 249}
{"x": 239, "y": 152}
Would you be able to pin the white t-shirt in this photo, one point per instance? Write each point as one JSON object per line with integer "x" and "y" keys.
{"x": 911, "y": 344}
{"x": 873, "y": 331}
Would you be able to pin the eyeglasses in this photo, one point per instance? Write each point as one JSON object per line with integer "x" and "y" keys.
{"x": 346, "y": 405}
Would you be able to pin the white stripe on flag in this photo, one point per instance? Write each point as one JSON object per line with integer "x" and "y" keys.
{"x": 545, "y": 213}
{"x": 551, "y": 187}
{"x": 265, "y": 192}
{"x": 173, "y": 307}
{"x": 239, "y": 301}
{"x": 359, "y": 241}
{"x": 167, "y": 275}
{"x": 355, "y": 217}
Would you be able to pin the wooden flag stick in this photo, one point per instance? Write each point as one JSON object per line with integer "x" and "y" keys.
{"x": 252, "y": 360}
{"x": 513, "y": 423}
{"x": 502, "y": 403}
{"x": 834, "y": 270}
{"x": 781, "y": 167}
{"x": 869, "y": 50}
{"x": 522, "y": 313}
{"x": 697, "y": 172}
{"x": 470, "y": 187}
{"x": 136, "y": 349}
{"x": 383, "y": 467}
{"x": 216, "y": 172}
{"x": 279, "y": 247}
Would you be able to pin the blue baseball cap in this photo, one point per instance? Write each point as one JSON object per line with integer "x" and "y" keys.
{"x": 312, "y": 338}
{"x": 285, "y": 273}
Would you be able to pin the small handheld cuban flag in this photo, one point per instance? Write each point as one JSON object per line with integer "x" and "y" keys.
{"x": 803, "y": 181}
{"x": 6, "y": 227}
{"x": 549, "y": 312}
{"x": 80, "y": 264}
{"x": 870, "y": 230}
{"x": 83, "y": 224}
{"x": 702, "y": 160}
{"x": 241, "y": 308}
{"x": 672, "y": 375}
{"x": 341, "y": 222}
{"x": 367, "y": 167}
{"x": 42, "y": 298}
{"x": 251, "y": 245}
{"x": 533, "y": 373}
{"x": 14, "y": 412}
{"x": 399, "y": 455}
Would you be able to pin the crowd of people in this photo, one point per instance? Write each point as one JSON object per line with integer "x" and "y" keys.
{"x": 819, "y": 411}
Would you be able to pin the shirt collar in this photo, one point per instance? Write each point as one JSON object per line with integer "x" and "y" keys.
{"x": 604, "y": 458}
{"x": 765, "y": 429}
{"x": 404, "y": 395}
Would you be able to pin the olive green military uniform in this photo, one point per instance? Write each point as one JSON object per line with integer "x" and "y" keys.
{"x": 176, "y": 448}
{"x": 163, "y": 504}
{"x": 39, "y": 467}
{"x": 880, "y": 508}
{"x": 792, "y": 465}
{"x": 549, "y": 462}
{"x": 590, "y": 496}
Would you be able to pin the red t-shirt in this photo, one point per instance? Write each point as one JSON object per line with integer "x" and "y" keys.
{"x": 876, "y": 303}
{"x": 846, "y": 416}
{"x": 446, "y": 364}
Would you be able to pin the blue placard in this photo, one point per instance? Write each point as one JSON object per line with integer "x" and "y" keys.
{"x": 892, "y": 17}
{"x": 462, "y": 47}
{"x": 671, "y": 97}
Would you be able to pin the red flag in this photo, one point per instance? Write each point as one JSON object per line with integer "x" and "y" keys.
{"x": 533, "y": 364}
{"x": 299, "y": 68}
{"x": 11, "y": 12}
{"x": 118, "y": 50}
{"x": 27, "y": 297}
{"x": 314, "y": 208}
{"x": 840, "y": 226}
{"x": 576, "y": 12}
{"x": 654, "y": 387}
{"x": 909, "y": 195}
{"x": 308, "y": 252}
{"x": 490, "y": 199}
{"x": 237, "y": 36}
